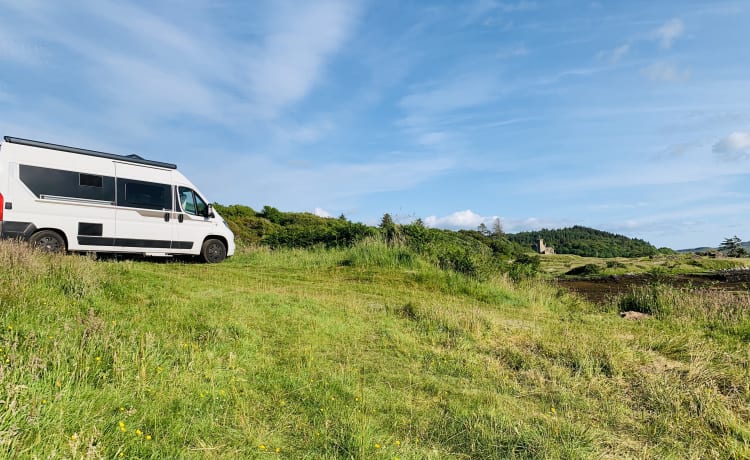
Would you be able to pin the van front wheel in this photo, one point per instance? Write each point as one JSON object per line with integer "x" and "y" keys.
{"x": 48, "y": 240}
{"x": 213, "y": 251}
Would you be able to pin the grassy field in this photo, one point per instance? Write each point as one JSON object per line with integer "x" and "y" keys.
{"x": 365, "y": 353}
{"x": 558, "y": 264}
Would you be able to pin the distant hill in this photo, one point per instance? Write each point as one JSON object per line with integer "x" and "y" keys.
{"x": 588, "y": 242}
{"x": 745, "y": 244}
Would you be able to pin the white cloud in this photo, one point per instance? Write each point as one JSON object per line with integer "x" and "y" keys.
{"x": 735, "y": 146}
{"x": 669, "y": 32}
{"x": 663, "y": 71}
{"x": 461, "y": 219}
{"x": 320, "y": 212}
{"x": 614, "y": 56}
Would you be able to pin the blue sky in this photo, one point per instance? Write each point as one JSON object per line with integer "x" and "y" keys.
{"x": 632, "y": 117}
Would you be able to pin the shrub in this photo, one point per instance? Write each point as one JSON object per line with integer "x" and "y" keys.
{"x": 525, "y": 266}
{"x": 585, "y": 270}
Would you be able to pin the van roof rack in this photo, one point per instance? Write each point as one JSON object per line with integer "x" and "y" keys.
{"x": 129, "y": 158}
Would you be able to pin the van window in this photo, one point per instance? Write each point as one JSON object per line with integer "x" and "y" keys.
{"x": 49, "y": 182}
{"x": 192, "y": 203}
{"x": 90, "y": 180}
{"x": 146, "y": 195}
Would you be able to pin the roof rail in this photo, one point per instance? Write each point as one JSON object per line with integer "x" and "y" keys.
{"x": 127, "y": 158}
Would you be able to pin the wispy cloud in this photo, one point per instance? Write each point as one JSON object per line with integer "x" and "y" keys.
{"x": 733, "y": 147}
{"x": 292, "y": 57}
{"x": 664, "y": 71}
{"x": 457, "y": 93}
{"x": 615, "y": 55}
{"x": 329, "y": 185}
{"x": 669, "y": 32}
{"x": 516, "y": 50}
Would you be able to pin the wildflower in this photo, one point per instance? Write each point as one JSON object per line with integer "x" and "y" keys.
{"x": 357, "y": 398}
{"x": 553, "y": 411}
{"x": 122, "y": 426}
{"x": 98, "y": 358}
{"x": 398, "y": 443}
{"x": 138, "y": 432}
{"x": 159, "y": 369}
{"x": 44, "y": 401}
{"x": 262, "y": 447}
{"x": 278, "y": 449}
{"x": 73, "y": 437}
{"x": 282, "y": 403}
{"x": 10, "y": 328}
{"x": 50, "y": 337}
{"x": 377, "y": 446}
{"x": 148, "y": 437}
{"x": 122, "y": 409}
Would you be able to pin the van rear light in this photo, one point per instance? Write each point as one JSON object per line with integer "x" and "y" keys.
{"x": 2, "y": 206}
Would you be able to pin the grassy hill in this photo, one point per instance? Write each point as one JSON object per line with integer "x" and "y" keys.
{"x": 587, "y": 242}
{"x": 365, "y": 352}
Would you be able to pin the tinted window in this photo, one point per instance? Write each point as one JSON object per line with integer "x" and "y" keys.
{"x": 146, "y": 195}
{"x": 200, "y": 206}
{"x": 89, "y": 180}
{"x": 72, "y": 184}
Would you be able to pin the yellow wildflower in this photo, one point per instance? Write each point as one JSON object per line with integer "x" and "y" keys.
{"x": 398, "y": 443}
{"x": 377, "y": 446}
{"x": 148, "y": 437}
{"x": 98, "y": 358}
{"x": 262, "y": 447}
{"x": 278, "y": 449}
{"x": 73, "y": 437}
{"x": 138, "y": 432}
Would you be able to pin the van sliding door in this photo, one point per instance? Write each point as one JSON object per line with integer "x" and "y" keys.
{"x": 144, "y": 208}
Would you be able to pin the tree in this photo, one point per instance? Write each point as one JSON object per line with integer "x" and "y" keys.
{"x": 732, "y": 247}
{"x": 497, "y": 227}
{"x": 389, "y": 227}
{"x": 483, "y": 229}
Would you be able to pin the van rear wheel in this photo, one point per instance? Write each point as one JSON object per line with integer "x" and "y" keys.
{"x": 213, "y": 251}
{"x": 48, "y": 240}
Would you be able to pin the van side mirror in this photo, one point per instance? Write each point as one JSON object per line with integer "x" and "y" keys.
{"x": 210, "y": 212}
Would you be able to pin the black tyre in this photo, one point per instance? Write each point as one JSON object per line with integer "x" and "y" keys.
{"x": 213, "y": 251}
{"x": 48, "y": 240}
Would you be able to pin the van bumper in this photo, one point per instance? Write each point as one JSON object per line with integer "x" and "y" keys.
{"x": 16, "y": 230}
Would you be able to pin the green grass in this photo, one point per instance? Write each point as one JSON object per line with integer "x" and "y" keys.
{"x": 559, "y": 264}
{"x": 367, "y": 352}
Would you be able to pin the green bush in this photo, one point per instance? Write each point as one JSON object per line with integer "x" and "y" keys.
{"x": 656, "y": 300}
{"x": 585, "y": 270}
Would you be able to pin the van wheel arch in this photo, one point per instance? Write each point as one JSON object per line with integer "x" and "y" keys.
{"x": 214, "y": 249}
{"x": 49, "y": 239}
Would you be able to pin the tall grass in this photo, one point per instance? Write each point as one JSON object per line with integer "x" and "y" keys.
{"x": 352, "y": 353}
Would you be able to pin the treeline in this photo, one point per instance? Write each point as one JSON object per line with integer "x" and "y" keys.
{"x": 588, "y": 242}
{"x": 472, "y": 252}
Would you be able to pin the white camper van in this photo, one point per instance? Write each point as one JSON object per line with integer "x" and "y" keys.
{"x": 65, "y": 198}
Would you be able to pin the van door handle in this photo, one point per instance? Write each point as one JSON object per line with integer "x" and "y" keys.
{"x": 166, "y": 217}
{"x": 180, "y": 218}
